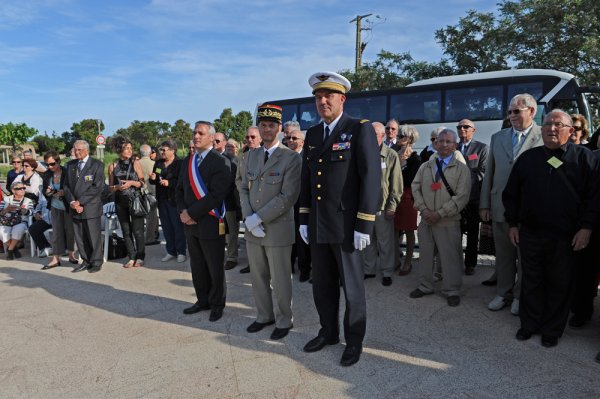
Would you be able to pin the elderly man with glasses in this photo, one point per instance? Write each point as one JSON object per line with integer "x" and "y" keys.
{"x": 506, "y": 147}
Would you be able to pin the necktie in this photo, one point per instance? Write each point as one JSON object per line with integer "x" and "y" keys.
{"x": 440, "y": 166}
{"x": 464, "y": 149}
{"x": 266, "y": 156}
{"x": 80, "y": 167}
{"x": 516, "y": 142}
{"x": 326, "y": 133}
{"x": 200, "y": 158}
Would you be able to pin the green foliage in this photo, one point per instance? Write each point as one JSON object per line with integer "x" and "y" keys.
{"x": 145, "y": 132}
{"x": 15, "y": 134}
{"x": 233, "y": 126}
{"x": 181, "y": 132}
{"x": 44, "y": 143}
{"x": 86, "y": 130}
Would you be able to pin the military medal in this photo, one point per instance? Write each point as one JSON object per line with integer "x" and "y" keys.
{"x": 221, "y": 227}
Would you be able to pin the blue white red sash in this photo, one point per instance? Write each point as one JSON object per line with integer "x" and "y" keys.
{"x": 199, "y": 188}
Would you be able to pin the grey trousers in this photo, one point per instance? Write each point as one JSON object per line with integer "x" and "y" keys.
{"x": 232, "y": 237}
{"x": 382, "y": 249}
{"x": 448, "y": 242}
{"x": 508, "y": 264}
{"x": 63, "y": 236}
{"x": 152, "y": 224}
{"x": 271, "y": 283}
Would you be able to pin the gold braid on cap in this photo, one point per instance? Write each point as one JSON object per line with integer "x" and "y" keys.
{"x": 269, "y": 113}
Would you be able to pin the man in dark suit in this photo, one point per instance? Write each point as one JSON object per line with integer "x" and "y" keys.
{"x": 83, "y": 190}
{"x": 475, "y": 154}
{"x": 204, "y": 182}
{"x": 340, "y": 173}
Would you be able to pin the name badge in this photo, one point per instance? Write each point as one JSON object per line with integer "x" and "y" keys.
{"x": 383, "y": 165}
{"x": 473, "y": 157}
{"x": 555, "y": 162}
{"x": 158, "y": 170}
{"x": 436, "y": 186}
{"x": 88, "y": 178}
{"x": 341, "y": 146}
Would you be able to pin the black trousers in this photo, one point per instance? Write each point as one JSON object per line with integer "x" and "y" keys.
{"x": 36, "y": 231}
{"x": 547, "y": 282}
{"x": 132, "y": 227}
{"x": 587, "y": 269}
{"x": 301, "y": 251}
{"x": 332, "y": 264}
{"x": 89, "y": 239}
{"x": 206, "y": 263}
{"x": 470, "y": 227}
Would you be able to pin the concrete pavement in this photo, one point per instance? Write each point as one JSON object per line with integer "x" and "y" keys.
{"x": 120, "y": 333}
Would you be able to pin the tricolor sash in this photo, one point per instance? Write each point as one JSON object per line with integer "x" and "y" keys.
{"x": 199, "y": 188}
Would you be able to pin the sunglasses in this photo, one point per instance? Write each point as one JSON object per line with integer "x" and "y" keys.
{"x": 578, "y": 128}
{"x": 251, "y": 137}
{"x": 51, "y": 163}
{"x": 463, "y": 127}
{"x": 516, "y": 111}
{"x": 18, "y": 188}
{"x": 218, "y": 141}
{"x": 294, "y": 138}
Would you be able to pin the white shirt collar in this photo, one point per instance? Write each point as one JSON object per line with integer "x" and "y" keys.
{"x": 332, "y": 124}
{"x": 84, "y": 160}
{"x": 204, "y": 153}
{"x": 272, "y": 149}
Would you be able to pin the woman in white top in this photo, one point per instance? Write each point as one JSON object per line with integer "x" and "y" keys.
{"x": 31, "y": 179}
{"x": 14, "y": 210}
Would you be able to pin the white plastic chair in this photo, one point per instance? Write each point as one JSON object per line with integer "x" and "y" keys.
{"x": 110, "y": 224}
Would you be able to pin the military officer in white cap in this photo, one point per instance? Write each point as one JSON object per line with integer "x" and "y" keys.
{"x": 340, "y": 179}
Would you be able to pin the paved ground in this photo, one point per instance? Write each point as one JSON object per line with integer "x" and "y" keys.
{"x": 120, "y": 333}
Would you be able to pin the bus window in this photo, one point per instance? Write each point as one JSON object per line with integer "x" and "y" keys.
{"x": 290, "y": 113}
{"x": 536, "y": 89}
{"x": 475, "y": 103}
{"x": 372, "y": 108}
{"x": 420, "y": 107}
{"x": 308, "y": 115}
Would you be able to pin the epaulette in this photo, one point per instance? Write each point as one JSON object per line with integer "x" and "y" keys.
{"x": 364, "y": 120}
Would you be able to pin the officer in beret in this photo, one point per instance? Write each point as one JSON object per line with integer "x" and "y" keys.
{"x": 341, "y": 176}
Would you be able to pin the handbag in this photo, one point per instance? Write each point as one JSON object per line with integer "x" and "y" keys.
{"x": 141, "y": 202}
{"x": 11, "y": 219}
{"x": 116, "y": 247}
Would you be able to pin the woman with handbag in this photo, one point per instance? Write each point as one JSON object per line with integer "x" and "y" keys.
{"x": 125, "y": 179}
{"x": 63, "y": 236}
{"x": 31, "y": 179}
{"x": 14, "y": 210}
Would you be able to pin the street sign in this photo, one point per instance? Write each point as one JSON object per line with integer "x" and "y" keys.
{"x": 100, "y": 139}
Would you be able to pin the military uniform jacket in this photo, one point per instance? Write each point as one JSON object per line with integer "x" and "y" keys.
{"x": 341, "y": 181}
{"x": 270, "y": 190}
{"x": 216, "y": 173}
{"x": 85, "y": 187}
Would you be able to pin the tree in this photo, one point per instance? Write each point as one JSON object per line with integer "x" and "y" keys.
{"x": 45, "y": 143}
{"x": 86, "y": 130}
{"x": 233, "y": 126}
{"x": 145, "y": 132}
{"x": 386, "y": 72}
{"x": 181, "y": 132}
{"x": 15, "y": 134}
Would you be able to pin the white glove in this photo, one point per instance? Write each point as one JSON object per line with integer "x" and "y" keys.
{"x": 252, "y": 221}
{"x": 258, "y": 231}
{"x": 361, "y": 240}
{"x": 303, "y": 229}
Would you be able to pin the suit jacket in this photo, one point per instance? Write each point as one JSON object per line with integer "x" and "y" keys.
{"x": 87, "y": 187}
{"x": 232, "y": 201}
{"x": 499, "y": 165}
{"x": 476, "y": 159}
{"x": 270, "y": 190}
{"x": 215, "y": 170}
{"x": 340, "y": 181}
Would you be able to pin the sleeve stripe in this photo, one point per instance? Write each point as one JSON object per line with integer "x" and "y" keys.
{"x": 365, "y": 216}
{"x": 304, "y": 210}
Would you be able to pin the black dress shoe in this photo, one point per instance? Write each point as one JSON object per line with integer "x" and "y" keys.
{"x": 549, "y": 341}
{"x": 51, "y": 266}
{"x": 578, "y": 321}
{"x": 523, "y": 334}
{"x": 318, "y": 343}
{"x": 304, "y": 277}
{"x": 230, "y": 265}
{"x": 256, "y": 326}
{"x": 351, "y": 355}
{"x": 469, "y": 270}
{"x": 94, "y": 269}
{"x": 195, "y": 308}
{"x": 17, "y": 253}
{"x": 369, "y": 276}
{"x": 279, "y": 333}
{"x": 215, "y": 314}
{"x": 74, "y": 261}
{"x": 386, "y": 281}
{"x": 489, "y": 283}
{"x": 245, "y": 270}
{"x": 81, "y": 267}
{"x": 418, "y": 294}
{"x": 155, "y": 242}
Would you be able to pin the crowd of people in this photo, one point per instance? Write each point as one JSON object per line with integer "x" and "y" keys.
{"x": 338, "y": 201}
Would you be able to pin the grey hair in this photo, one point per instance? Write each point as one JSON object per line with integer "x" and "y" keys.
{"x": 393, "y": 120}
{"x": 410, "y": 132}
{"x": 83, "y": 143}
{"x": 14, "y": 183}
{"x": 211, "y": 127}
{"x": 436, "y": 132}
{"x": 301, "y": 133}
{"x": 379, "y": 127}
{"x": 233, "y": 142}
{"x": 451, "y": 132}
{"x": 293, "y": 124}
{"x": 145, "y": 150}
{"x": 560, "y": 112}
{"x": 526, "y": 99}
{"x": 171, "y": 144}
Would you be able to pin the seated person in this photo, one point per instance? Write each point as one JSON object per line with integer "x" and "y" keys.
{"x": 14, "y": 210}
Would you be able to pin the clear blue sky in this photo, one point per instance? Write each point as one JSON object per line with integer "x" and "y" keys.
{"x": 62, "y": 61}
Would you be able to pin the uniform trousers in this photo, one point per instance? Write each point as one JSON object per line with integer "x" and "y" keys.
{"x": 301, "y": 251}
{"x": 382, "y": 249}
{"x": 89, "y": 240}
{"x": 508, "y": 265}
{"x": 333, "y": 264}
{"x": 547, "y": 283}
{"x": 448, "y": 243}
{"x": 206, "y": 263}
{"x": 233, "y": 225}
{"x": 271, "y": 283}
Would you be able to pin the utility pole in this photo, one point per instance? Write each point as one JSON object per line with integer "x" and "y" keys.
{"x": 360, "y": 47}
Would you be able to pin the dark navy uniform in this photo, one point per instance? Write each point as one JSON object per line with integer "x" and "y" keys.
{"x": 341, "y": 181}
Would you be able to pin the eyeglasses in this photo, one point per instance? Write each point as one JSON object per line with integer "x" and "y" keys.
{"x": 516, "y": 111}
{"x": 16, "y": 162}
{"x": 250, "y": 137}
{"x": 51, "y": 163}
{"x": 294, "y": 138}
{"x": 558, "y": 125}
{"x": 217, "y": 141}
{"x": 18, "y": 188}
{"x": 167, "y": 149}
{"x": 458, "y": 127}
